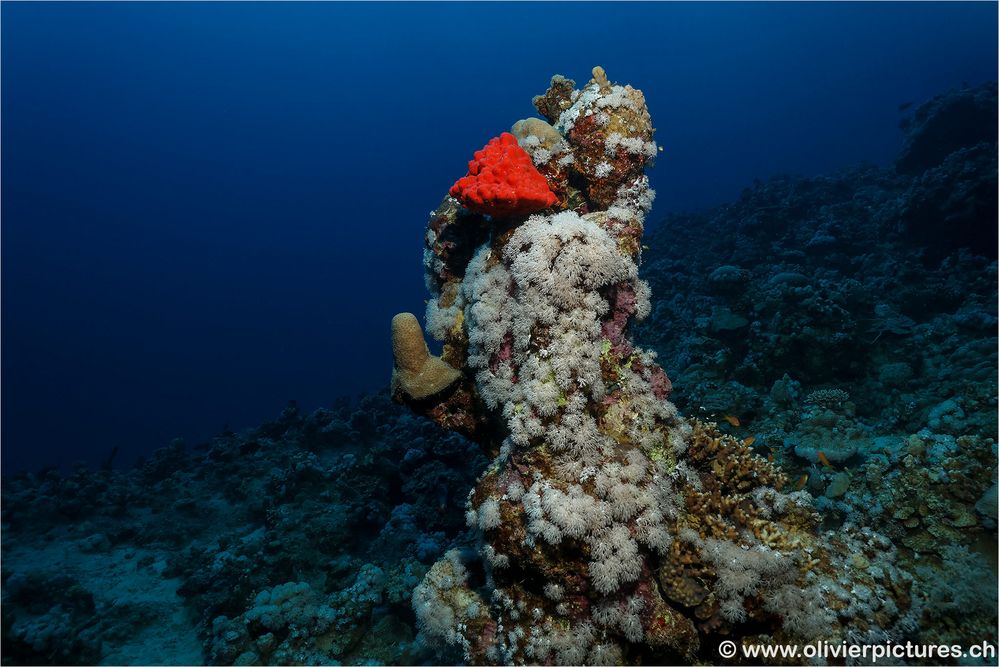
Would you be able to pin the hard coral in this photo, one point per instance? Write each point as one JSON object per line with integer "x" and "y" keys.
{"x": 418, "y": 374}
{"x": 502, "y": 181}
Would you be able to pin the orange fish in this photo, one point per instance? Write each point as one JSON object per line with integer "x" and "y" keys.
{"x": 770, "y": 457}
{"x": 732, "y": 419}
{"x": 750, "y": 440}
{"x": 823, "y": 460}
{"x": 801, "y": 482}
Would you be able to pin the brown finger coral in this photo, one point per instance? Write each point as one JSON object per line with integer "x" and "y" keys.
{"x": 417, "y": 373}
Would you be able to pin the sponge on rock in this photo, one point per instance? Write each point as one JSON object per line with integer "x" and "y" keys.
{"x": 417, "y": 373}
{"x": 502, "y": 181}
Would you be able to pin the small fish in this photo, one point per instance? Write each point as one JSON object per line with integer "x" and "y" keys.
{"x": 823, "y": 459}
{"x": 770, "y": 457}
{"x": 732, "y": 419}
{"x": 904, "y": 105}
{"x": 801, "y": 482}
{"x": 645, "y": 247}
{"x": 750, "y": 440}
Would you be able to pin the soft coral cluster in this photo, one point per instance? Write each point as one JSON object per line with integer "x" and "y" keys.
{"x": 612, "y": 530}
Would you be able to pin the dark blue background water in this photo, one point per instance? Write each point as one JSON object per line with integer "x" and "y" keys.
{"x": 209, "y": 209}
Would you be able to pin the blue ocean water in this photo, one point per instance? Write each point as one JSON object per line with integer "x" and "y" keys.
{"x": 210, "y": 209}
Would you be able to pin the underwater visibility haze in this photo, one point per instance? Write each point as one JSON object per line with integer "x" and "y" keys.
{"x": 536, "y": 333}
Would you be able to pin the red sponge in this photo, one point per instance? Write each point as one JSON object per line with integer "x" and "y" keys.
{"x": 502, "y": 181}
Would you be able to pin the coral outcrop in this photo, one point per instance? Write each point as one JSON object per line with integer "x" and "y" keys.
{"x": 611, "y": 529}
{"x": 839, "y": 352}
{"x": 950, "y": 150}
{"x": 297, "y": 542}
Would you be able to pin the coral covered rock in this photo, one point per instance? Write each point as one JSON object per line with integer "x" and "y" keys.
{"x": 949, "y": 122}
{"x": 611, "y": 529}
{"x": 503, "y": 182}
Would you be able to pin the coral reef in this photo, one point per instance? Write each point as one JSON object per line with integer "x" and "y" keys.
{"x": 834, "y": 338}
{"x": 853, "y": 332}
{"x": 296, "y": 542}
{"x": 610, "y": 528}
{"x": 948, "y": 123}
{"x": 808, "y": 284}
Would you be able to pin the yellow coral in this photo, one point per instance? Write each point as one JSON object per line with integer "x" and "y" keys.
{"x": 417, "y": 373}
{"x": 547, "y": 135}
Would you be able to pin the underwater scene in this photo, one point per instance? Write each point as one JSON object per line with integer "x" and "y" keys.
{"x": 499, "y": 333}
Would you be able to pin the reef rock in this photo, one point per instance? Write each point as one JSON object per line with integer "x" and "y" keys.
{"x": 611, "y": 529}
{"x": 947, "y": 123}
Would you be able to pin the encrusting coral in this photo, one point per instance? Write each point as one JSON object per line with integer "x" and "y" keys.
{"x": 611, "y": 529}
